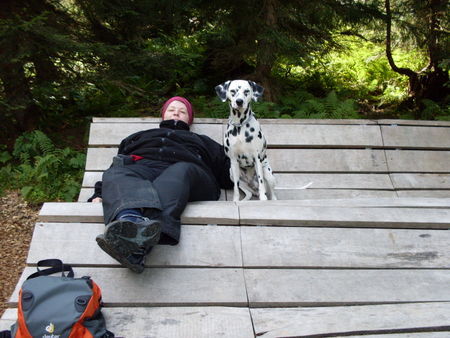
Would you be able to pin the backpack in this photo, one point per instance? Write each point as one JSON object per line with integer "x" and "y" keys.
{"x": 59, "y": 307}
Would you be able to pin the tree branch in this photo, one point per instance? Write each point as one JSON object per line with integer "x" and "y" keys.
{"x": 404, "y": 71}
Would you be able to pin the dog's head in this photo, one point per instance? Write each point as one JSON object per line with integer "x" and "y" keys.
{"x": 239, "y": 93}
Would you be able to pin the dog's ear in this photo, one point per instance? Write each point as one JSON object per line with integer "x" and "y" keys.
{"x": 257, "y": 90}
{"x": 221, "y": 90}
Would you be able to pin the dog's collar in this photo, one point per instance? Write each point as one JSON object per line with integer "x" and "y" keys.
{"x": 239, "y": 124}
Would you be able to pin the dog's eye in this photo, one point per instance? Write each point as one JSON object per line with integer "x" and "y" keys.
{"x": 246, "y": 92}
{"x": 233, "y": 92}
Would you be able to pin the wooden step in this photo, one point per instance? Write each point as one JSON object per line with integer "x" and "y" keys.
{"x": 163, "y": 286}
{"x": 354, "y": 321}
{"x": 261, "y": 247}
{"x": 199, "y": 246}
{"x": 174, "y": 322}
{"x": 322, "y": 287}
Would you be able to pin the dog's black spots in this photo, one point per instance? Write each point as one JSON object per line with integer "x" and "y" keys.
{"x": 249, "y": 139}
{"x": 239, "y": 114}
{"x": 265, "y": 144}
{"x": 247, "y": 134}
{"x": 260, "y": 181}
{"x": 248, "y": 125}
{"x": 244, "y": 157}
{"x": 228, "y": 142}
{"x": 242, "y": 119}
{"x": 259, "y": 134}
{"x": 226, "y": 149}
{"x": 235, "y": 131}
{"x": 269, "y": 169}
{"x": 252, "y": 129}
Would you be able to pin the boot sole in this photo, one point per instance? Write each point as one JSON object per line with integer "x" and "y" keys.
{"x": 132, "y": 236}
{"x": 111, "y": 250}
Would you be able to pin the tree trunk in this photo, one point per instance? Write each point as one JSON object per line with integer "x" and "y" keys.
{"x": 430, "y": 83}
{"x": 22, "y": 113}
{"x": 18, "y": 97}
{"x": 266, "y": 53}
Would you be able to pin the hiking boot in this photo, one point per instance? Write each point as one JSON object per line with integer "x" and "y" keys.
{"x": 129, "y": 238}
{"x": 134, "y": 261}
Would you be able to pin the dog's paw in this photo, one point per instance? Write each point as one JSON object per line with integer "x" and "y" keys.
{"x": 263, "y": 197}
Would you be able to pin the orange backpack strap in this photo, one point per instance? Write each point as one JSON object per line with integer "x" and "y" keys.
{"x": 22, "y": 330}
{"x": 93, "y": 307}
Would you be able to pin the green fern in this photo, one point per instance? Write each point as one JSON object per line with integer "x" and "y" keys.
{"x": 32, "y": 144}
{"x": 43, "y": 172}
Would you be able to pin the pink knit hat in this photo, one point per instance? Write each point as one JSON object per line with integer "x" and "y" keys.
{"x": 182, "y": 100}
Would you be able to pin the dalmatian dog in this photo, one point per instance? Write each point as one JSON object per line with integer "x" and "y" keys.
{"x": 245, "y": 143}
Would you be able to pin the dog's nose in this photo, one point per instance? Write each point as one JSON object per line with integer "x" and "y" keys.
{"x": 239, "y": 102}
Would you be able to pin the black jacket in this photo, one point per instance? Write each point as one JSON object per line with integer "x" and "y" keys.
{"x": 173, "y": 142}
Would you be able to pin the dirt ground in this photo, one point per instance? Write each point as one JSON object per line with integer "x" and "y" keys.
{"x": 17, "y": 219}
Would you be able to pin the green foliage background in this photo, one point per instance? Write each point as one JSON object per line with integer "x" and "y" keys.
{"x": 63, "y": 62}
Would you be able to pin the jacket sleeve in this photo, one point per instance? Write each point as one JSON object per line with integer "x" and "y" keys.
{"x": 220, "y": 164}
{"x": 97, "y": 191}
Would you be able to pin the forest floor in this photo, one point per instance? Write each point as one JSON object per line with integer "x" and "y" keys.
{"x": 17, "y": 219}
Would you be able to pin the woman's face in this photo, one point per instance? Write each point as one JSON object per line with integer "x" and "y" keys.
{"x": 177, "y": 110}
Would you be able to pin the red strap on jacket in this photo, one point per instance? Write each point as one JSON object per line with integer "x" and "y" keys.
{"x": 136, "y": 157}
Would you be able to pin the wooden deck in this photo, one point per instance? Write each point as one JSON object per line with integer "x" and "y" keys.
{"x": 363, "y": 251}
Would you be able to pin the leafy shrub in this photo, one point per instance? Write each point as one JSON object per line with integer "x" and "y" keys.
{"x": 41, "y": 171}
{"x": 434, "y": 111}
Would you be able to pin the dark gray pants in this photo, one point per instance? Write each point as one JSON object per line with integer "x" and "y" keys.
{"x": 162, "y": 189}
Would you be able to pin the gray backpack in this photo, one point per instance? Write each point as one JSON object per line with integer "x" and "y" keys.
{"x": 59, "y": 307}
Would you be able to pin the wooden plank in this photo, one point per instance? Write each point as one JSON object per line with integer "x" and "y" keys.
{"x": 425, "y": 334}
{"x": 202, "y": 120}
{"x": 288, "y": 135}
{"x": 424, "y": 193}
{"x": 329, "y": 136}
{"x": 86, "y": 193}
{"x": 351, "y": 320}
{"x": 302, "y": 194}
{"x": 414, "y": 123}
{"x": 99, "y": 158}
{"x": 317, "y": 121}
{"x": 90, "y": 178}
{"x": 8, "y": 318}
{"x": 150, "y": 119}
{"x": 348, "y": 217}
{"x": 416, "y": 137}
{"x": 286, "y": 160}
{"x": 409, "y": 161}
{"x": 397, "y": 202}
{"x": 64, "y": 240}
{"x": 421, "y": 181}
{"x": 298, "y": 180}
{"x": 333, "y": 181}
{"x": 327, "y": 160}
{"x": 208, "y": 212}
{"x": 182, "y": 322}
{"x": 163, "y": 286}
{"x": 111, "y": 134}
{"x": 323, "y": 287}
{"x": 344, "y": 248}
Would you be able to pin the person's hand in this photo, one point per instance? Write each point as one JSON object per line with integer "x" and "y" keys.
{"x": 97, "y": 200}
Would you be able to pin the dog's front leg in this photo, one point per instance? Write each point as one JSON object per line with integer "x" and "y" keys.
{"x": 260, "y": 177}
{"x": 235, "y": 174}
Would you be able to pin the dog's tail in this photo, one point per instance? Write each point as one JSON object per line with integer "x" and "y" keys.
{"x": 306, "y": 186}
